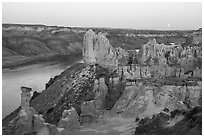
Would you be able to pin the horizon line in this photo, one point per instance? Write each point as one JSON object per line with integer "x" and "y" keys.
{"x": 41, "y": 24}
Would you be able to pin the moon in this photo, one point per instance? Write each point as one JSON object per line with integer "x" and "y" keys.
{"x": 168, "y": 25}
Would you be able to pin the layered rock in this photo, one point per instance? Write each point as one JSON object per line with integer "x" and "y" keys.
{"x": 134, "y": 72}
{"x": 71, "y": 89}
{"x": 22, "y": 44}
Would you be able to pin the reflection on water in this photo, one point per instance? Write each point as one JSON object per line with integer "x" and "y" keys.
{"x": 34, "y": 76}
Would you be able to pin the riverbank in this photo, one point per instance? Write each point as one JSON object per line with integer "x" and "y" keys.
{"x": 31, "y": 60}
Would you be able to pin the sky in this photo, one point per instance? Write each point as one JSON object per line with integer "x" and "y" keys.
{"x": 161, "y": 16}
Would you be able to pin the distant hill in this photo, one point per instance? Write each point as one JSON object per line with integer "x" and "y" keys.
{"x": 22, "y": 43}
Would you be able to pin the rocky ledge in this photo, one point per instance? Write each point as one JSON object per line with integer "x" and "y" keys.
{"x": 149, "y": 86}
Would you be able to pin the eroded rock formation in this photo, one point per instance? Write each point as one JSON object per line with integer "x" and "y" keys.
{"x": 28, "y": 121}
{"x": 140, "y": 84}
{"x": 97, "y": 49}
{"x": 153, "y": 59}
{"x": 25, "y": 98}
{"x": 88, "y": 47}
{"x": 143, "y": 101}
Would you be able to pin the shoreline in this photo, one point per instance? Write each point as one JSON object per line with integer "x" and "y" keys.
{"x": 34, "y": 60}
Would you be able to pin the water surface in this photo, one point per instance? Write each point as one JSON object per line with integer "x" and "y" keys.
{"x": 34, "y": 76}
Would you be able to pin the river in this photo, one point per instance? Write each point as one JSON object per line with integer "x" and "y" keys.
{"x": 34, "y": 76}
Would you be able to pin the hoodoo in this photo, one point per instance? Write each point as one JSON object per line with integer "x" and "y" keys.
{"x": 88, "y": 47}
{"x": 98, "y": 50}
{"x": 25, "y": 97}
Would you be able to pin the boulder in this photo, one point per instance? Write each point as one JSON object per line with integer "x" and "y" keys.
{"x": 69, "y": 120}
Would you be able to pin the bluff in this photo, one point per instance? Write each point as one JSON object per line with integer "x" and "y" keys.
{"x": 21, "y": 43}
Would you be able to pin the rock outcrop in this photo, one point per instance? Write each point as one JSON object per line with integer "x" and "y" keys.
{"x": 25, "y": 98}
{"x": 153, "y": 59}
{"x": 153, "y": 53}
{"x": 143, "y": 101}
{"x": 97, "y": 49}
{"x": 88, "y": 47}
